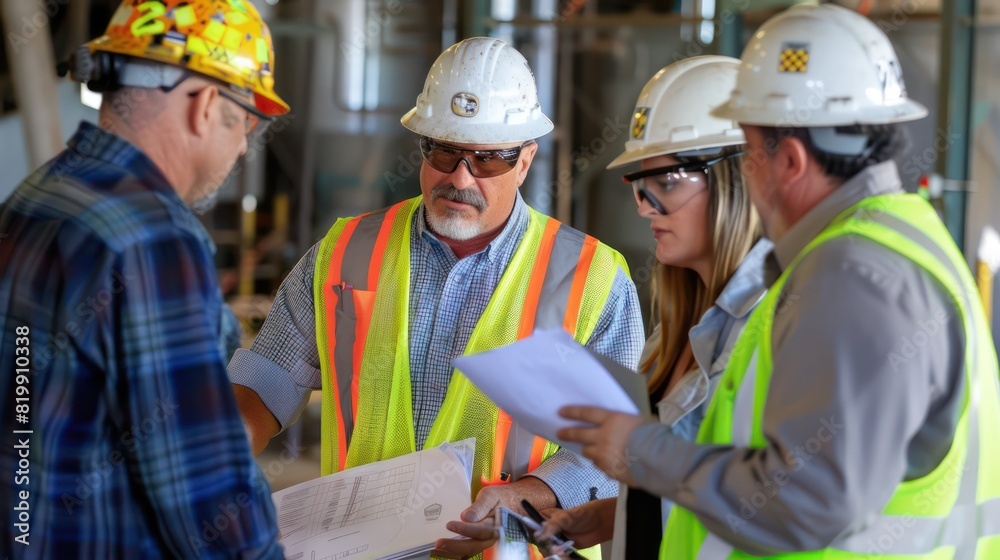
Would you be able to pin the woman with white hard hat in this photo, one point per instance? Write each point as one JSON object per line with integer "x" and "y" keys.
{"x": 707, "y": 280}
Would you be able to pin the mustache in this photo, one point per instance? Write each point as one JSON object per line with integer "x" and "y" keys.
{"x": 465, "y": 196}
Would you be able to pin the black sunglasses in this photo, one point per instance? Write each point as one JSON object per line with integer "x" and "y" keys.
{"x": 673, "y": 174}
{"x": 482, "y": 164}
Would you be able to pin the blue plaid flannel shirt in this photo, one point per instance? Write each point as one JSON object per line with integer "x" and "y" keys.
{"x": 136, "y": 448}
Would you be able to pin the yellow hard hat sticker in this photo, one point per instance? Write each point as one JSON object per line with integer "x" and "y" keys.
{"x": 639, "y": 120}
{"x": 794, "y": 58}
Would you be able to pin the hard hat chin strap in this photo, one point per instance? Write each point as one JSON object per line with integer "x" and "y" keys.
{"x": 831, "y": 141}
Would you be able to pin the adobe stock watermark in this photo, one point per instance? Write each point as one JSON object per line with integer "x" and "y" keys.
{"x": 360, "y": 36}
{"x": 85, "y": 313}
{"x": 31, "y": 27}
{"x": 582, "y": 158}
{"x": 276, "y": 467}
{"x": 229, "y": 514}
{"x": 138, "y": 433}
{"x": 917, "y": 165}
{"x": 894, "y": 529}
{"x": 256, "y": 145}
{"x": 406, "y": 166}
{"x": 421, "y": 499}
{"x": 798, "y": 458}
{"x": 898, "y": 17}
{"x": 911, "y": 345}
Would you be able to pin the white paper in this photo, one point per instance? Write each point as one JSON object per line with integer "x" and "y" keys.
{"x": 536, "y": 376}
{"x": 390, "y": 509}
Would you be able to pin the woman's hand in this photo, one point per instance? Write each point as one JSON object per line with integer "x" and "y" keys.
{"x": 587, "y": 525}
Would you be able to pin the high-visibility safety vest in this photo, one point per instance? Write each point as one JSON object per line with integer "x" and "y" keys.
{"x": 557, "y": 277}
{"x": 952, "y": 513}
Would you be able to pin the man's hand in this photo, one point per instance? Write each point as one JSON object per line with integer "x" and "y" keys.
{"x": 587, "y": 525}
{"x": 605, "y": 442}
{"x": 478, "y": 524}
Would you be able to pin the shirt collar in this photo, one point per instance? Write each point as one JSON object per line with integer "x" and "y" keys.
{"x": 103, "y": 145}
{"x": 100, "y": 144}
{"x": 876, "y": 180}
{"x": 745, "y": 287}
{"x": 511, "y": 233}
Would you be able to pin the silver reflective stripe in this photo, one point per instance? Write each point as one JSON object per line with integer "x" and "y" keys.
{"x": 963, "y": 526}
{"x": 343, "y": 357}
{"x": 551, "y": 314}
{"x": 358, "y": 253}
{"x": 890, "y": 534}
{"x": 966, "y": 521}
{"x": 714, "y": 548}
{"x": 743, "y": 407}
{"x": 989, "y": 518}
{"x": 558, "y": 280}
{"x": 518, "y": 452}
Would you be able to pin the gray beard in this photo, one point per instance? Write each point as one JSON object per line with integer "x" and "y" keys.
{"x": 452, "y": 227}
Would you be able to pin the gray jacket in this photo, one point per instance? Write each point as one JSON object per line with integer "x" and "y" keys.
{"x": 865, "y": 393}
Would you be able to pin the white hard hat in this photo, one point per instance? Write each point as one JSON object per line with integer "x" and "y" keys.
{"x": 479, "y": 91}
{"x": 672, "y": 113}
{"x": 819, "y": 66}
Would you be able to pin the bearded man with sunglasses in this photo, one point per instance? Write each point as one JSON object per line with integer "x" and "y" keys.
{"x": 128, "y": 438}
{"x": 375, "y": 313}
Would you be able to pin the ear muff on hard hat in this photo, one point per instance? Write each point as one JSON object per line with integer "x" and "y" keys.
{"x": 672, "y": 113}
{"x": 222, "y": 39}
{"x": 819, "y": 66}
{"x": 479, "y": 91}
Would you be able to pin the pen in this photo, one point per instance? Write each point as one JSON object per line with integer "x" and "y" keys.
{"x": 537, "y": 517}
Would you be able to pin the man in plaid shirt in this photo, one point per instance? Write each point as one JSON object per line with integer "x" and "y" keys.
{"x": 122, "y": 435}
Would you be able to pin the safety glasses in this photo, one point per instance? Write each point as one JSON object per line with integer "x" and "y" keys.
{"x": 255, "y": 123}
{"x": 668, "y": 189}
{"x": 483, "y": 164}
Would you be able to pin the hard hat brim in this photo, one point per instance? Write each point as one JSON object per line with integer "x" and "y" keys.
{"x": 484, "y": 133}
{"x": 905, "y": 111}
{"x": 665, "y": 148}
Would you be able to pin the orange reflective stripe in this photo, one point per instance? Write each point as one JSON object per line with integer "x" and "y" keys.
{"x": 537, "y": 453}
{"x": 579, "y": 283}
{"x": 375, "y": 267}
{"x": 534, "y": 554}
{"x": 364, "y": 300}
{"x": 537, "y": 279}
{"x": 333, "y": 280}
{"x": 504, "y": 423}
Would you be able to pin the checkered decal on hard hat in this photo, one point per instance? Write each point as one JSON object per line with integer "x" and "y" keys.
{"x": 639, "y": 119}
{"x": 794, "y": 57}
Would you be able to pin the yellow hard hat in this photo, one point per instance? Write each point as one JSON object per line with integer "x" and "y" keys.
{"x": 222, "y": 39}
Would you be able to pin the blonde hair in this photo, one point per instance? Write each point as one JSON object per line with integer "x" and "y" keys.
{"x": 680, "y": 298}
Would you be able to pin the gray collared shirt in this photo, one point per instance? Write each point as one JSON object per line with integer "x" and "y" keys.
{"x": 865, "y": 393}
